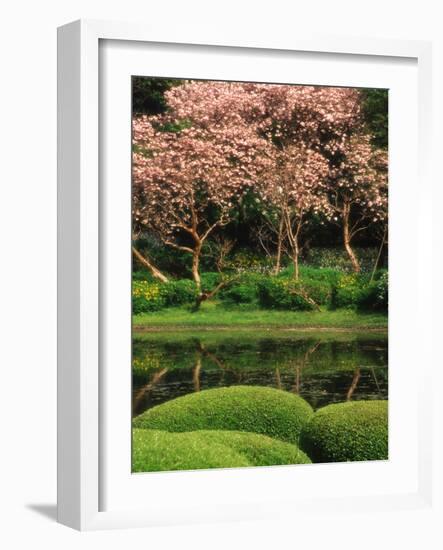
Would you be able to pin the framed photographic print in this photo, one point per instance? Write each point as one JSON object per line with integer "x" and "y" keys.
{"x": 238, "y": 234}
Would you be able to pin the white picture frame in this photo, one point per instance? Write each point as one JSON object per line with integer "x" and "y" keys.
{"x": 82, "y": 396}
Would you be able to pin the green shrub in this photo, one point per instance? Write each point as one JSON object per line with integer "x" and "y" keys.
{"x": 279, "y": 293}
{"x": 240, "y": 294}
{"x": 181, "y": 292}
{"x": 155, "y": 450}
{"x": 243, "y": 290}
{"x": 319, "y": 291}
{"x": 142, "y": 275}
{"x": 146, "y": 296}
{"x": 210, "y": 280}
{"x": 266, "y": 411}
{"x": 374, "y": 297}
{"x": 348, "y": 290}
{"x": 309, "y": 273}
{"x": 351, "y": 431}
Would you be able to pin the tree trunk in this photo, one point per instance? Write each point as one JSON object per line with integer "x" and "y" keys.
{"x": 208, "y": 295}
{"x": 157, "y": 274}
{"x": 279, "y": 246}
{"x": 347, "y": 239}
{"x": 377, "y": 260}
{"x": 295, "y": 256}
{"x": 195, "y": 267}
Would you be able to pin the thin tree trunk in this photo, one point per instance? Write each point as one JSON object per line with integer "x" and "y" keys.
{"x": 195, "y": 266}
{"x": 156, "y": 273}
{"x": 347, "y": 239}
{"x": 207, "y": 295}
{"x": 279, "y": 246}
{"x": 379, "y": 253}
{"x": 295, "y": 258}
{"x": 293, "y": 242}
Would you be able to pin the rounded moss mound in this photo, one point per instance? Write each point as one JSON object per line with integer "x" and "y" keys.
{"x": 155, "y": 450}
{"x": 266, "y": 411}
{"x": 344, "y": 432}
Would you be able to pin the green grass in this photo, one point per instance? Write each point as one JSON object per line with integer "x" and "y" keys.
{"x": 262, "y": 410}
{"x": 213, "y": 314}
{"x": 155, "y": 450}
{"x": 350, "y": 431}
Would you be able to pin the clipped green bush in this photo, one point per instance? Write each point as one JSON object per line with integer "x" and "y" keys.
{"x": 156, "y": 450}
{"x": 351, "y": 431}
{"x": 261, "y": 410}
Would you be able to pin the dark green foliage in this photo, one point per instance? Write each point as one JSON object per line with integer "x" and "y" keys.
{"x": 278, "y": 293}
{"x": 249, "y": 261}
{"x": 336, "y": 259}
{"x": 148, "y": 94}
{"x": 244, "y": 289}
{"x": 155, "y": 450}
{"x": 325, "y": 275}
{"x": 348, "y": 291}
{"x": 142, "y": 275}
{"x": 319, "y": 291}
{"x": 147, "y": 296}
{"x": 375, "y": 112}
{"x": 210, "y": 280}
{"x": 177, "y": 293}
{"x": 266, "y": 411}
{"x": 326, "y": 287}
{"x": 241, "y": 294}
{"x": 375, "y": 296}
{"x": 153, "y": 296}
{"x": 352, "y": 431}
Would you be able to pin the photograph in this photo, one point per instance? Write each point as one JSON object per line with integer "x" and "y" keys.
{"x": 259, "y": 274}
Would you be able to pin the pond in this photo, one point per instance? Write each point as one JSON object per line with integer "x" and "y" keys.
{"x": 322, "y": 367}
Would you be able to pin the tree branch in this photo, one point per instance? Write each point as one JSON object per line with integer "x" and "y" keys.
{"x": 179, "y": 247}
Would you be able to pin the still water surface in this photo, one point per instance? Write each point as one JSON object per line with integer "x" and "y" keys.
{"x": 321, "y": 367}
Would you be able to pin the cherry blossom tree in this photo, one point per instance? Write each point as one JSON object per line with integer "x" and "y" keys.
{"x": 287, "y": 117}
{"x": 187, "y": 182}
{"x": 358, "y": 188}
{"x": 218, "y": 140}
{"x": 296, "y": 189}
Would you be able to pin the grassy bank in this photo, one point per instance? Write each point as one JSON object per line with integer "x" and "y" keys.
{"x": 214, "y": 315}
